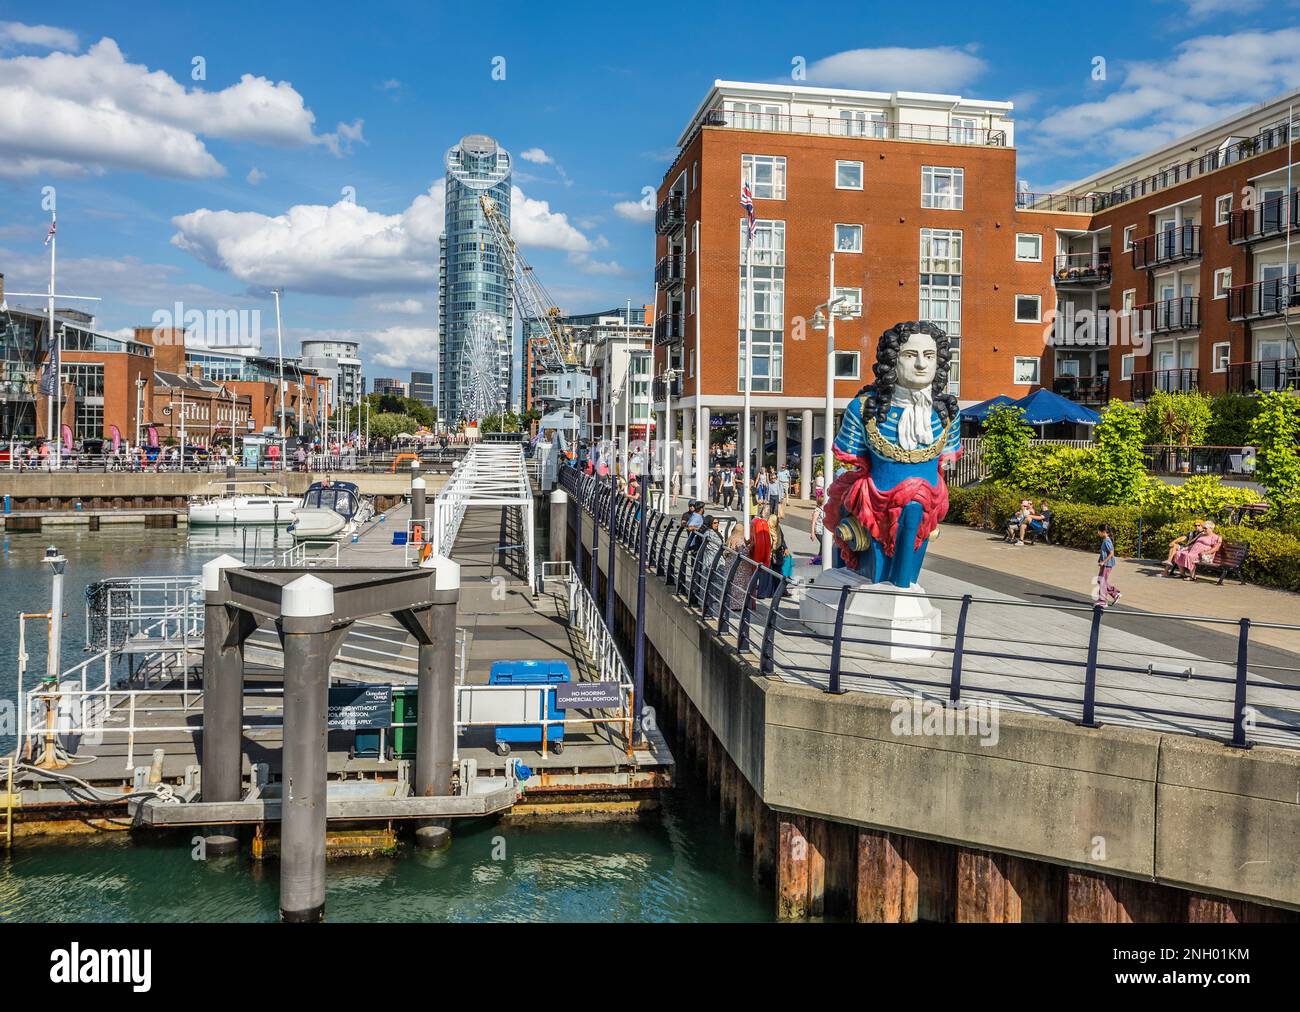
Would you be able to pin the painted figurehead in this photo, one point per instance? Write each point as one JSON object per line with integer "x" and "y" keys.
{"x": 896, "y": 437}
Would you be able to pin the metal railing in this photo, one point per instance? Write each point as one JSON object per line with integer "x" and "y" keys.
{"x": 670, "y": 270}
{"x": 1000, "y": 650}
{"x": 864, "y": 129}
{"x": 670, "y": 215}
{"x": 1169, "y": 315}
{"x": 668, "y": 328}
{"x": 1147, "y": 382}
{"x": 1267, "y": 220}
{"x": 1264, "y": 375}
{"x": 1083, "y": 389}
{"x": 1261, "y": 299}
{"x": 1168, "y": 246}
{"x": 1082, "y": 268}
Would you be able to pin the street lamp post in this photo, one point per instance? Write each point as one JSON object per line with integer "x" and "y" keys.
{"x": 824, "y": 319}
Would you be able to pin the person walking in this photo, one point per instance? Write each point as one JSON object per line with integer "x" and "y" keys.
{"x": 783, "y": 485}
{"x": 728, "y": 487}
{"x": 818, "y": 525}
{"x": 1107, "y": 594}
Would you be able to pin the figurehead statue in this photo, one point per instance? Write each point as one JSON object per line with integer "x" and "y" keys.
{"x": 897, "y": 436}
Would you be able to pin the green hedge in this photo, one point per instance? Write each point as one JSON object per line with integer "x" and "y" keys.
{"x": 1273, "y": 559}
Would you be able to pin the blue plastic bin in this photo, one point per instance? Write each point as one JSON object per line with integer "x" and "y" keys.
{"x": 530, "y": 673}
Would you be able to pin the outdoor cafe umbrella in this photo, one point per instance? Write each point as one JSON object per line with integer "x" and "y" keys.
{"x": 1043, "y": 407}
{"x": 979, "y": 412}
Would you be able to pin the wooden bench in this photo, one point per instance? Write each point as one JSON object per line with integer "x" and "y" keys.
{"x": 1230, "y": 558}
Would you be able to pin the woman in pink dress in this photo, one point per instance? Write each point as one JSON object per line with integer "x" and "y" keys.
{"x": 1201, "y": 549}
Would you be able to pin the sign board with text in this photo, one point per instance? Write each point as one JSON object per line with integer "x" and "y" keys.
{"x": 588, "y": 695}
{"x": 360, "y": 708}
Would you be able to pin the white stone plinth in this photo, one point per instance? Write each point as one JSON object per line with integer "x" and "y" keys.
{"x": 905, "y": 621}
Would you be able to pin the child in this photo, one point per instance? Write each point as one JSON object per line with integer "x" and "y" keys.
{"x": 818, "y": 526}
{"x": 1106, "y": 592}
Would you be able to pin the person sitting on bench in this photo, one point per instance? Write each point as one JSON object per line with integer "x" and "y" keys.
{"x": 1202, "y": 549}
{"x": 1198, "y": 528}
{"x": 1016, "y": 525}
{"x": 1040, "y": 523}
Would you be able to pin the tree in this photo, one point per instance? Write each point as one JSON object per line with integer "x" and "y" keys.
{"x": 389, "y": 424}
{"x": 1230, "y": 418}
{"x": 1006, "y": 440}
{"x": 1176, "y": 419}
{"x": 1274, "y": 432}
{"x": 1118, "y": 471}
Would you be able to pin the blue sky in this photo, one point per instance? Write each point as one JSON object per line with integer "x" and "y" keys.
{"x": 309, "y": 155}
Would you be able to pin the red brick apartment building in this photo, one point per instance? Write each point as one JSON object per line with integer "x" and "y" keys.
{"x": 1169, "y": 271}
{"x": 1187, "y": 255}
{"x": 916, "y": 196}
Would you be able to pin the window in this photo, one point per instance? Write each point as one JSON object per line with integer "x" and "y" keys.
{"x": 1220, "y": 352}
{"x": 940, "y": 251}
{"x": 765, "y": 361}
{"x": 846, "y": 365}
{"x": 962, "y": 129}
{"x": 942, "y": 188}
{"x": 695, "y": 176}
{"x": 848, "y": 175}
{"x": 766, "y": 175}
{"x": 1126, "y": 366}
{"x": 692, "y": 300}
{"x": 1029, "y": 309}
{"x": 848, "y": 238}
{"x": 754, "y": 115}
{"x": 1128, "y": 237}
{"x": 1222, "y": 282}
{"x": 1128, "y": 299}
{"x": 1222, "y": 209}
{"x": 1026, "y": 371}
{"x": 768, "y": 308}
{"x": 852, "y": 304}
{"x": 863, "y": 123}
{"x": 1029, "y": 247}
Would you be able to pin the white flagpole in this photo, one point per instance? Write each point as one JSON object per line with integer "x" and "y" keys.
{"x": 749, "y": 299}
{"x": 54, "y": 403}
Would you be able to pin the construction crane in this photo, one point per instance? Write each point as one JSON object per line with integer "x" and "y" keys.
{"x": 531, "y": 297}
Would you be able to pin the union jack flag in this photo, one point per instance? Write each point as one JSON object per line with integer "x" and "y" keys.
{"x": 747, "y": 202}
{"x": 50, "y": 234}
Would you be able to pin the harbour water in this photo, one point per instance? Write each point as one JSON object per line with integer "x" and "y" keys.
{"x": 675, "y": 865}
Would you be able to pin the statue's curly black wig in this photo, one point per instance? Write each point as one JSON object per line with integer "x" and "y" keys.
{"x": 881, "y": 392}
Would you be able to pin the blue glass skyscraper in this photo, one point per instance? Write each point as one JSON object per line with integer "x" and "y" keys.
{"x": 475, "y": 312}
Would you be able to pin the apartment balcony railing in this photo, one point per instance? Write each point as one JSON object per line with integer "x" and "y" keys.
{"x": 669, "y": 328}
{"x": 1168, "y": 380}
{"x": 662, "y": 387}
{"x": 1183, "y": 313}
{"x": 670, "y": 215}
{"x": 1083, "y": 269}
{"x": 867, "y": 129}
{"x": 1070, "y": 203}
{"x": 1264, "y": 375}
{"x": 1263, "y": 299}
{"x": 1267, "y": 221}
{"x": 1083, "y": 389}
{"x": 1169, "y": 246}
{"x": 669, "y": 271}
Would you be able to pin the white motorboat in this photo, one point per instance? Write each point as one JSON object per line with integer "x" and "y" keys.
{"x": 239, "y": 509}
{"x": 330, "y": 510}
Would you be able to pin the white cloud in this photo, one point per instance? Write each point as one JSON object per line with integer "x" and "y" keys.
{"x": 895, "y": 68}
{"x": 537, "y": 156}
{"x": 66, "y": 113}
{"x": 1200, "y": 10}
{"x": 346, "y": 249}
{"x": 407, "y": 307}
{"x": 634, "y": 210}
{"x": 14, "y": 34}
{"x": 255, "y": 176}
{"x": 1157, "y": 101}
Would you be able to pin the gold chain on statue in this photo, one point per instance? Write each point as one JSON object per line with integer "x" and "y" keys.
{"x": 921, "y": 454}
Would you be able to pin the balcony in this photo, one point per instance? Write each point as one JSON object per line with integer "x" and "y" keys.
{"x": 1170, "y": 316}
{"x": 671, "y": 214}
{"x": 867, "y": 129}
{"x": 1083, "y": 389}
{"x": 1083, "y": 270}
{"x": 662, "y": 386}
{"x": 1263, "y": 375}
{"x": 669, "y": 271}
{"x": 1169, "y": 246}
{"x": 669, "y": 329}
{"x": 1174, "y": 381}
{"x": 1270, "y": 219}
{"x": 1274, "y": 297}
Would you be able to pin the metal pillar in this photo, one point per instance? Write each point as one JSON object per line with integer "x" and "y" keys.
{"x": 559, "y": 524}
{"x": 638, "y": 648}
{"x": 609, "y": 568}
{"x": 577, "y": 521}
{"x": 307, "y": 608}
{"x": 435, "y": 707}
{"x": 595, "y": 533}
{"x": 806, "y": 454}
{"x": 223, "y": 702}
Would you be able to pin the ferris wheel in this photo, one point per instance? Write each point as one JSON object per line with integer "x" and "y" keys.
{"x": 484, "y": 365}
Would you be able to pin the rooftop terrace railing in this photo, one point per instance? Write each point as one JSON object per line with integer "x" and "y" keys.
{"x": 1108, "y": 673}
